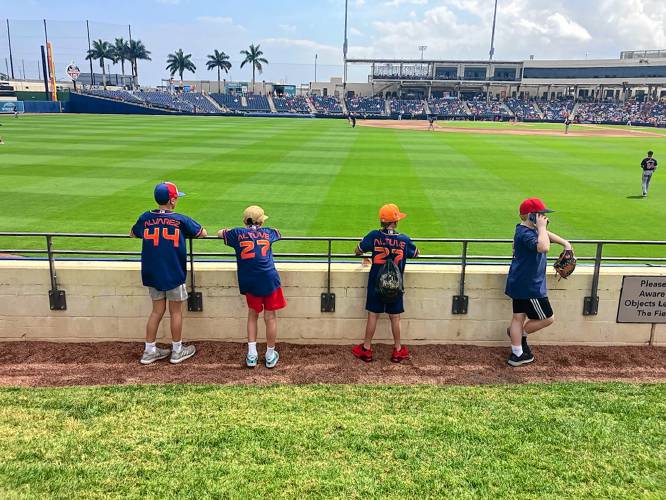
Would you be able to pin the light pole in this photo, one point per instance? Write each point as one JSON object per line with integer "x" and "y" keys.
{"x": 492, "y": 36}
{"x": 422, "y": 48}
{"x": 344, "y": 50}
{"x": 315, "y": 78}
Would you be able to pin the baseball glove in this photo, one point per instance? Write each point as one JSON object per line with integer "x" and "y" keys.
{"x": 565, "y": 264}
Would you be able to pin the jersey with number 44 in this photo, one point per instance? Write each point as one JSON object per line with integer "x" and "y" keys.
{"x": 164, "y": 250}
{"x": 387, "y": 245}
{"x": 256, "y": 269}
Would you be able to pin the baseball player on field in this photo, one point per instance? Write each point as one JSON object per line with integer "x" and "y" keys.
{"x": 649, "y": 165}
{"x": 526, "y": 282}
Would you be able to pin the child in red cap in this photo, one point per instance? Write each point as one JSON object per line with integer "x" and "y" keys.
{"x": 385, "y": 243}
{"x": 526, "y": 282}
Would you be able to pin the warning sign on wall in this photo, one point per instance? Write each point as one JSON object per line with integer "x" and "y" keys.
{"x": 642, "y": 300}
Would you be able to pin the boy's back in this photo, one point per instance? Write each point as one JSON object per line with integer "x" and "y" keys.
{"x": 527, "y": 274}
{"x": 384, "y": 245}
{"x": 256, "y": 269}
{"x": 164, "y": 248}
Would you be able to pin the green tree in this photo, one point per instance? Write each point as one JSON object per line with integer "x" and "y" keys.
{"x": 218, "y": 60}
{"x": 102, "y": 51}
{"x": 121, "y": 50}
{"x": 137, "y": 52}
{"x": 253, "y": 57}
{"x": 179, "y": 63}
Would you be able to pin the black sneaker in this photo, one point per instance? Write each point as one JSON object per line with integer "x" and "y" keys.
{"x": 526, "y": 347}
{"x": 524, "y": 359}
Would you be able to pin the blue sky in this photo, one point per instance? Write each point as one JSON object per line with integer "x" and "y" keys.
{"x": 291, "y": 32}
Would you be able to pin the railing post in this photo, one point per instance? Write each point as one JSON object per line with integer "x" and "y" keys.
{"x": 57, "y": 298}
{"x": 194, "y": 299}
{"x": 461, "y": 301}
{"x": 328, "y": 298}
{"x": 591, "y": 303}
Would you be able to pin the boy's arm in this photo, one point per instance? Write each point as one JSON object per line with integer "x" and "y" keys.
{"x": 543, "y": 240}
{"x": 365, "y": 245}
{"x": 559, "y": 240}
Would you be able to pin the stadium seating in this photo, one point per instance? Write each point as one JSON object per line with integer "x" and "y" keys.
{"x": 229, "y": 101}
{"x": 328, "y": 105}
{"x": 258, "y": 103}
{"x": 446, "y": 106}
{"x": 199, "y": 102}
{"x": 166, "y": 101}
{"x": 369, "y": 105}
{"x": 296, "y": 104}
{"x": 525, "y": 110}
{"x": 119, "y": 95}
{"x": 556, "y": 110}
{"x": 407, "y": 106}
{"x": 483, "y": 108}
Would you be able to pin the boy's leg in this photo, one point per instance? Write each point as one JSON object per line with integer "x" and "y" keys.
{"x": 159, "y": 306}
{"x": 395, "y": 329}
{"x": 370, "y": 328}
{"x": 176, "y": 315}
{"x": 270, "y": 318}
{"x": 534, "y": 325}
{"x": 516, "y": 329}
{"x": 252, "y": 319}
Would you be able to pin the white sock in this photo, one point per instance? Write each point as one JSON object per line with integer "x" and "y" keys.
{"x": 517, "y": 350}
{"x": 270, "y": 352}
{"x": 177, "y": 346}
{"x": 151, "y": 347}
{"x": 252, "y": 349}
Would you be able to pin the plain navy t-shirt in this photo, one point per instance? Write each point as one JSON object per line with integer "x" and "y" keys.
{"x": 527, "y": 274}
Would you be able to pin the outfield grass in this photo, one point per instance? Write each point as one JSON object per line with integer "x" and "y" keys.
{"x": 93, "y": 173}
{"x": 545, "y": 441}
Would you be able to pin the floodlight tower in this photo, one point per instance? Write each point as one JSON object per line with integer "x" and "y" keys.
{"x": 492, "y": 37}
{"x": 344, "y": 51}
{"x": 422, "y": 48}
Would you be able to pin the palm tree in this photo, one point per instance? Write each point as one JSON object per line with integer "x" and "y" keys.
{"x": 179, "y": 62}
{"x": 220, "y": 61}
{"x": 137, "y": 51}
{"x": 121, "y": 49}
{"x": 101, "y": 50}
{"x": 253, "y": 56}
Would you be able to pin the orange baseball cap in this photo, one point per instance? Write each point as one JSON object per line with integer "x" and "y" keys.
{"x": 390, "y": 213}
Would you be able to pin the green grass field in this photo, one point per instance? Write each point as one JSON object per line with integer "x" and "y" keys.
{"x": 92, "y": 173}
{"x": 529, "y": 441}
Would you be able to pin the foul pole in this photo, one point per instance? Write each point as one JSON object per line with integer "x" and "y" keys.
{"x": 344, "y": 51}
{"x": 492, "y": 37}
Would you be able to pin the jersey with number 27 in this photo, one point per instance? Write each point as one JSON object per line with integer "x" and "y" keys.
{"x": 254, "y": 257}
{"x": 164, "y": 250}
{"x": 386, "y": 245}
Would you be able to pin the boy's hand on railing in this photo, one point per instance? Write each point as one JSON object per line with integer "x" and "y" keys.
{"x": 366, "y": 262}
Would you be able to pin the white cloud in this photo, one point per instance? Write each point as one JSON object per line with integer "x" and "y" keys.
{"x": 215, "y": 19}
{"x": 289, "y": 28}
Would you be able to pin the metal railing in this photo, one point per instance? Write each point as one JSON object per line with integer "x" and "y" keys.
{"x": 57, "y": 297}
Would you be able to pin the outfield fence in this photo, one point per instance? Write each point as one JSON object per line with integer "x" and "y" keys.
{"x": 466, "y": 257}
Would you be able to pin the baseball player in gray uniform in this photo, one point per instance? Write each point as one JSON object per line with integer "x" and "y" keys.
{"x": 649, "y": 165}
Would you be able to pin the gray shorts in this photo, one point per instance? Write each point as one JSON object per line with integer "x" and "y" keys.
{"x": 178, "y": 294}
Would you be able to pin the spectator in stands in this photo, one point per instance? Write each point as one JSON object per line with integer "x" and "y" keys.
{"x": 386, "y": 245}
{"x": 163, "y": 269}
{"x": 258, "y": 279}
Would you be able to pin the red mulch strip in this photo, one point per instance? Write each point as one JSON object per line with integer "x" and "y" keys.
{"x": 45, "y": 364}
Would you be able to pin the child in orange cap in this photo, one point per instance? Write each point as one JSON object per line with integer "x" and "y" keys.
{"x": 258, "y": 279}
{"x": 385, "y": 244}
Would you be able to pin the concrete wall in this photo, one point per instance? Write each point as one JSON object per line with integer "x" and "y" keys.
{"x": 107, "y": 302}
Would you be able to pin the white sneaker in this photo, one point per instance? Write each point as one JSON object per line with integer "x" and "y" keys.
{"x": 270, "y": 363}
{"x": 156, "y": 355}
{"x": 185, "y": 353}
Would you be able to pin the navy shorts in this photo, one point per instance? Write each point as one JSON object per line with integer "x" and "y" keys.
{"x": 374, "y": 304}
{"x": 534, "y": 308}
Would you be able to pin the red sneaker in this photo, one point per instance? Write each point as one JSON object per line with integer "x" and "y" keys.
{"x": 399, "y": 355}
{"x": 362, "y": 353}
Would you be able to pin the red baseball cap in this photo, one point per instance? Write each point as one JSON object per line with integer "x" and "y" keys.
{"x": 166, "y": 191}
{"x": 534, "y": 205}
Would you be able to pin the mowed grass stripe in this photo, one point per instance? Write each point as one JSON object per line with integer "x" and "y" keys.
{"x": 561, "y": 440}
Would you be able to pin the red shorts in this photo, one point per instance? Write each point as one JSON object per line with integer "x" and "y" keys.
{"x": 271, "y": 302}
